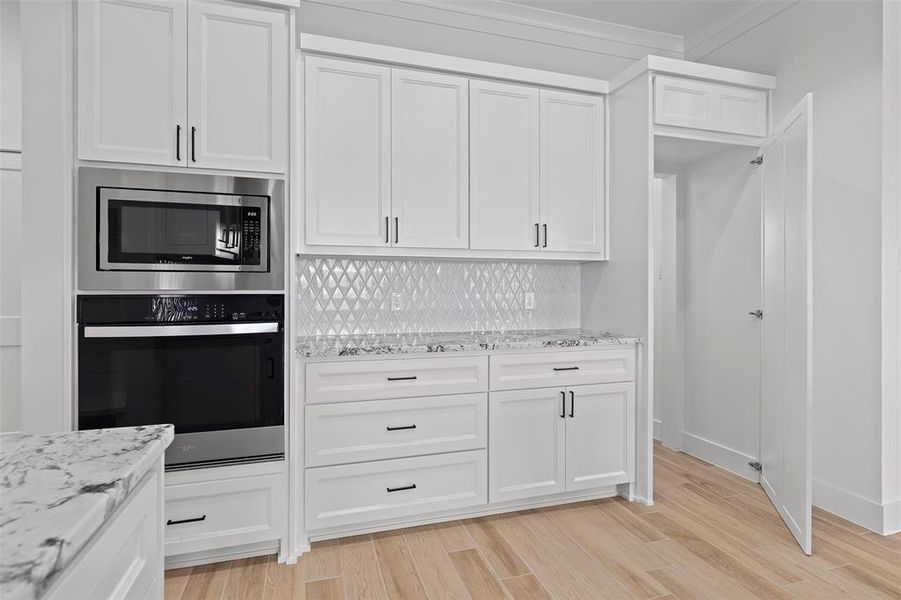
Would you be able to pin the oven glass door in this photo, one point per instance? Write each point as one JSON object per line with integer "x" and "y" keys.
{"x": 174, "y": 231}
{"x": 200, "y": 378}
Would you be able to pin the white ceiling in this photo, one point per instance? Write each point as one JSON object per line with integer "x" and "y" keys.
{"x": 692, "y": 19}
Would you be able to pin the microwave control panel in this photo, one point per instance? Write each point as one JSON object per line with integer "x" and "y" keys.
{"x": 251, "y": 224}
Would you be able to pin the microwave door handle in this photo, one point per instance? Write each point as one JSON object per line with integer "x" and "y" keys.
{"x": 148, "y": 331}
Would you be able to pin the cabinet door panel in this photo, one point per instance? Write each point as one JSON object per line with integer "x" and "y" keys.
{"x": 503, "y": 166}
{"x": 347, "y": 175}
{"x": 572, "y": 172}
{"x": 599, "y": 435}
{"x": 132, "y": 81}
{"x": 712, "y": 106}
{"x": 526, "y": 441}
{"x": 429, "y": 164}
{"x": 238, "y": 90}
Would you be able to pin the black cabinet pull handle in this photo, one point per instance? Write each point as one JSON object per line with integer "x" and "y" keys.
{"x": 572, "y": 403}
{"x": 545, "y": 236}
{"x": 562, "y": 404}
{"x": 396, "y": 229}
{"x": 407, "y": 378}
{"x": 194, "y": 145}
{"x": 537, "y": 235}
{"x": 401, "y": 489}
{"x": 180, "y": 521}
{"x": 178, "y": 143}
{"x": 401, "y": 427}
{"x": 387, "y": 230}
{"x": 566, "y": 368}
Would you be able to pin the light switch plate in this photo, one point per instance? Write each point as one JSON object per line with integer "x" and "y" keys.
{"x": 529, "y": 301}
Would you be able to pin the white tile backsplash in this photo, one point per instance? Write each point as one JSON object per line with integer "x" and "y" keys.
{"x": 347, "y": 296}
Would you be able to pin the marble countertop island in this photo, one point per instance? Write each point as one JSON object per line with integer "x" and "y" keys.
{"x": 467, "y": 341}
{"x": 57, "y": 490}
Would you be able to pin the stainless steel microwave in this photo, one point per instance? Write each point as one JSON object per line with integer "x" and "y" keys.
{"x": 151, "y": 231}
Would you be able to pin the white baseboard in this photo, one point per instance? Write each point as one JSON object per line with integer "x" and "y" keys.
{"x": 657, "y": 426}
{"x": 192, "y": 559}
{"x": 724, "y": 457}
{"x": 892, "y": 518}
{"x": 849, "y": 505}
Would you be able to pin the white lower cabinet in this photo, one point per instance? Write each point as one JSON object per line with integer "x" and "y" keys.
{"x": 366, "y": 493}
{"x": 212, "y": 509}
{"x": 527, "y": 444}
{"x": 553, "y": 440}
{"x": 124, "y": 560}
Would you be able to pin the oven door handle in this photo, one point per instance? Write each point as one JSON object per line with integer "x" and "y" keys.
{"x": 147, "y": 331}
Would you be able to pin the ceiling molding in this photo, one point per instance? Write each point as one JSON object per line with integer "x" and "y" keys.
{"x": 700, "y": 45}
{"x": 495, "y": 17}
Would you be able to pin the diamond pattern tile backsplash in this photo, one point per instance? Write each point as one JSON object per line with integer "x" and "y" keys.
{"x": 351, "y": 296}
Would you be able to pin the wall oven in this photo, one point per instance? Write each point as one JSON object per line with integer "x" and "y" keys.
{"x": 211, "y": 365}
{"x": 176, "y": 231}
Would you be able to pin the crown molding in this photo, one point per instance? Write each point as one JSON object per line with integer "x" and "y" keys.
{"x": 703, "y": 43}
{"x": 496, "y": 17}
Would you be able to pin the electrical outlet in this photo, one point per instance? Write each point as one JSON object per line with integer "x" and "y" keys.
{"x": 529, "y": 301}
{"x": 397, "y": 301}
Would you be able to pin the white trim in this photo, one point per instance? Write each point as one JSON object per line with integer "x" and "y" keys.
{"x": 525, "y": 23}
{"x": 207, "y": 557}
{"x": 685, "y": 68}
{"x": 848, "y": 505}
{"x": 891, "y": 518}
{"x": 555, "y": 21}
{"x": 10, "y": 331}
{"x": 460, "y": 253}
{"x": 319, "y": 44}
{"x": 706, "y": 42}
{"x": 687, "y": 133}
{"x": 456, "y": 515}
{"x": 658, "y": 426}
{"x": 10, "y": 160}
{"x": 734, "y": 461}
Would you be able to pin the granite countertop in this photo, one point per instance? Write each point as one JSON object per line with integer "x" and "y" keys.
{"x": 467, "y": 341}
{"x": 58, "y": 489}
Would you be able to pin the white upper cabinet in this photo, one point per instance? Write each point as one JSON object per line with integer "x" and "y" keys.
{"x": 238, "y": 86}
{"x": 347, "y": 153}
{"x": 429, "y": 160}
{"x": 183, "y": 82}
{"x": 132, "y": 77}
{"x": 503, "y": 159}
{"x": 682, "y": 102}
{"x": 572, "y": 172}
{"x": 600, "y": 435}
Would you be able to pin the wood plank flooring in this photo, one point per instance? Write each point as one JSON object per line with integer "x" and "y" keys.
{"x": 710, "y": 535}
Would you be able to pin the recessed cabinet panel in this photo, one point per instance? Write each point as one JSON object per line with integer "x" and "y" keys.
{"x": 572, "y": 367}
{"x": 600, "y": 427}
{"x": 348, "y": 495}
{"x": 132, "y": 75}
{"x": 429, "y": 160}
{"x": 526, "y": 444}
{"x": 711, "y": 106}
{"x": 347, "y": 154}
{"x": 359, "y": 431}
{"x": 238, "y": 86}
{"x": 503, "y": 166}
{"x": 572, "y": 172}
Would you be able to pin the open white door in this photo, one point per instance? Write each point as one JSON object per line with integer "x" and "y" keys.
{"x": 785, "y": 402}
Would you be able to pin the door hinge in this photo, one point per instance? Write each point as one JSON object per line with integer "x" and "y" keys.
{"x": 756, "y": 466}
{"x": 758, "y": 161}
{"x": 756, "y": 313}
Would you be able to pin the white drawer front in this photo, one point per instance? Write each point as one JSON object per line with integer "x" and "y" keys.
{"x": 357, "y": 431}
{"x": 369, "y": 492}
{"x": 552, "y": 369}
{"x": 712, "y": 106}
{"x": 220, "y": 513}
{"x": 400, "y": 378}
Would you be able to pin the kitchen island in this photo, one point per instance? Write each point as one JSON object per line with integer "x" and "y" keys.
{"x": 80, "y": 513}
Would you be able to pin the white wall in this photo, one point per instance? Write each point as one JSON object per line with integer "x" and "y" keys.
{"x": 10, "y": 215}
{"x": 834, "y": 50}
{"x": 522, "y": 36}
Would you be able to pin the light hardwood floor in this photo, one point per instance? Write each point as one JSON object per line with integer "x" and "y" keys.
{"x": 710, "y": 535}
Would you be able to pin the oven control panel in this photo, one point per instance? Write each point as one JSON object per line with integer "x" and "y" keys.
{"x": 180, "y": 309}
